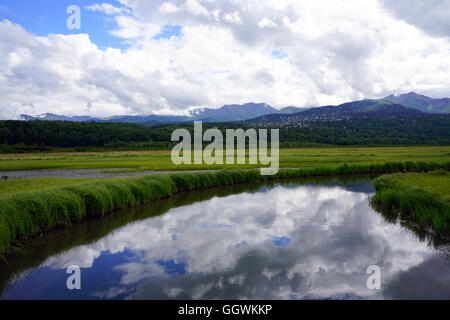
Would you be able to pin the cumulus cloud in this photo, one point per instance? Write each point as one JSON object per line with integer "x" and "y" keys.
{"x": 332, "y": 53}
{"x": 431, "y": 16}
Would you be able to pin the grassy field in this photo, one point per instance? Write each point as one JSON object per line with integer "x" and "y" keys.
{"x": 24, "y": 185}
{"x": 160, "y": 160}
{"x": 435, "y": 182}
{"x": 423, "y": 198}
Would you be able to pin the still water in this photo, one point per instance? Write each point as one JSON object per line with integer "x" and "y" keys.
{"x": 282, "y": 241}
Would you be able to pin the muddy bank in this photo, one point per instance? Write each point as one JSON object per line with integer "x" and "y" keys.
{"x": 82, "y": 173}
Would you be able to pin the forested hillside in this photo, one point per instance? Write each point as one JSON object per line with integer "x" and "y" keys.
{"x": 44, "y": 135}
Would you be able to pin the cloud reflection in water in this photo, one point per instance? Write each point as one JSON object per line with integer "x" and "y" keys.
{"x": 285, "y": 242}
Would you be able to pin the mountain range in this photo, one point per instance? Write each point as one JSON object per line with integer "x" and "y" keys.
{"x": 393, "y": 105}
{"x": 422, "y": 103}
{"x": 357, "y": 109}
{"x": 226, "y": 113}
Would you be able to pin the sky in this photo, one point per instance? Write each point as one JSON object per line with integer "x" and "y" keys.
{"x": 141, "y": 57}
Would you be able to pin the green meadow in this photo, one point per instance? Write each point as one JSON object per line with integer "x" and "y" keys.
{"x": 25, "y": 185}
{"x": 160, "y": 160}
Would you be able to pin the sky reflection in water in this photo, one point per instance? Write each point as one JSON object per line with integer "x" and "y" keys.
{"x": 282, "y": 242}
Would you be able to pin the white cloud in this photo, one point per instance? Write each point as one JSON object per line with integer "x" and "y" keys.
{"x": 267, "y": 23}
{"x": 130, "y": 28}
{"x": 194, "y": 7}
{"x": 431, "y": 16}
{"x": 107, "y": 8}
{"x": 333, "y": 53}
{"x": 168, "y": 7}
{"x": 233, "y": 17}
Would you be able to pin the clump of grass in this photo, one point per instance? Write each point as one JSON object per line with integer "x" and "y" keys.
{"x": 422, "y": 198}
{"x": 27, "y": 214}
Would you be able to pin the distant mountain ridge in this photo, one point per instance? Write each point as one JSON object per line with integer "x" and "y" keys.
{"x": 226, "y": 113}
{"x": 291, "y": 110}
{"x": 393, "y": 105}
{"x": 235, "y": 112}
{"x": 55, "y": 117}
{"x": 422, "y": 103}
{"x": 369, "y": 108}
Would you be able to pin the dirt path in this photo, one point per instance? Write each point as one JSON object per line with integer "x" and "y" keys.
{"x": 83, "y": 173}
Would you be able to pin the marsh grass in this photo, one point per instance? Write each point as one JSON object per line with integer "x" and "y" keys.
{"x": 35, "y": 212}
{"x": 22, "y": 185}
{"x": 421, "y": 198}
{"x": 161, "y": 160}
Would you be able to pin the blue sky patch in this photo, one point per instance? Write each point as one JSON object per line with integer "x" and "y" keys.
{"x": 278, "y": 54}
{"x": 281, "y": 241}
{"x": 43, "y": 17}
{"x": 172, "y": 268}
{"x": 168, "y": 32}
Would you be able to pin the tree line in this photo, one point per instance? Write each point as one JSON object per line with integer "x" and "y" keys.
{"x": 16, "y": 136}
